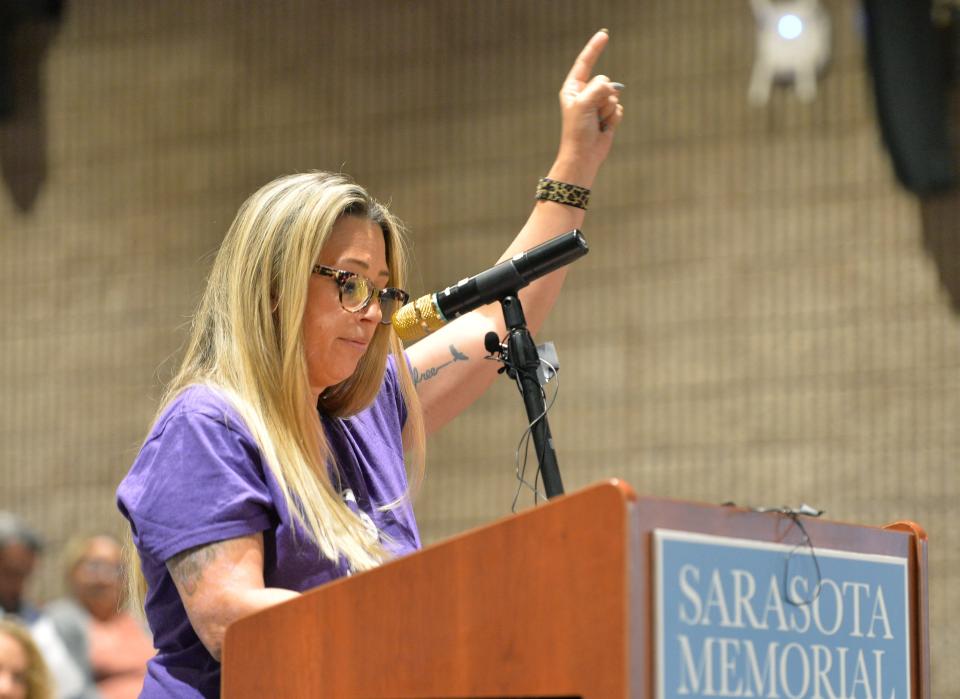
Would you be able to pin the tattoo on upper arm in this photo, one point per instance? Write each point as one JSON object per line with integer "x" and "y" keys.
{"x": 187, "y": 567}
{"x": 456, "y": 356}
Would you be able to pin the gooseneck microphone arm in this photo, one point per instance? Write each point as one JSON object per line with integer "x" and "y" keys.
{"x": 428, "y": 313}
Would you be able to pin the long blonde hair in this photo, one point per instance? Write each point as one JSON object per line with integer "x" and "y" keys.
{"x": 37, "y": 676}
{"x": 246, "y": 342}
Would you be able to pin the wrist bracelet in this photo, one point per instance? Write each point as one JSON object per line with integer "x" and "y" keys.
{"x": 562, "y": 193}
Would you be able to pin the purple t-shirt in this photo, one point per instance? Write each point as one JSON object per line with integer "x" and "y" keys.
{"x": 200, "y": 478}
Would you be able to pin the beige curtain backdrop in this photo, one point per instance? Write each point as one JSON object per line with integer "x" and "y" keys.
{"x": 764, "y": 315}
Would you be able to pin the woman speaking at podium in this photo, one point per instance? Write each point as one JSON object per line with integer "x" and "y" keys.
{"x": 276, "y": 460}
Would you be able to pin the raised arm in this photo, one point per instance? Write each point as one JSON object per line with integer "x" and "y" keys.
{"x": 451, "y": 372}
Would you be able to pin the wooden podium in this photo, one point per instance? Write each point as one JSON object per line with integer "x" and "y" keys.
{"x": 557, "y": 601}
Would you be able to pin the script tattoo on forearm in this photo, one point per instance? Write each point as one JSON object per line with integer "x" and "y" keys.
{"x": 187, "y": 567}
{"x": 457, "y": 356}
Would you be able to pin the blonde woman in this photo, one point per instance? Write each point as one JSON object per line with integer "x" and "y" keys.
{"x": 103, "y": 637}
{"x": 23, "y": 674}
{"x": 276, "y": 462}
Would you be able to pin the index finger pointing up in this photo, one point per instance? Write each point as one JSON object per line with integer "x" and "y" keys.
{"x": 583, "y": 67}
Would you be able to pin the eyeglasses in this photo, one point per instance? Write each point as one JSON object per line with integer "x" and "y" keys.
{"x": 356, "y": 292}
{"x": 101, "y": 567}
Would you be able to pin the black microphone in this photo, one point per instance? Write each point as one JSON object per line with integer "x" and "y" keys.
{"x": 419, "y": 318}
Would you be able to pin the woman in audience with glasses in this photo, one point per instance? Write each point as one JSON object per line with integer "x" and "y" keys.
{"x": 99, "y": 633}
{"x": 276, "y": 461}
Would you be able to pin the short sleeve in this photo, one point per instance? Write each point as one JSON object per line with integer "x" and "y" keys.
{"x": 199, "y": 478}
{"x": 391, "y": 382}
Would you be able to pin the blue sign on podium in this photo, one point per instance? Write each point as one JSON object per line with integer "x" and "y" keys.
{"x": 744, "y": 618}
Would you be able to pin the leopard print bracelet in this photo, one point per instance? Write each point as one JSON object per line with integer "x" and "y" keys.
{"x": 562, "y": 193}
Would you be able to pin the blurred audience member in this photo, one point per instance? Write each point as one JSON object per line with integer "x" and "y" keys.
{"x": 23, "y": 673}
{"x": 92, "y": 622}
{"x": 20, "y": 549}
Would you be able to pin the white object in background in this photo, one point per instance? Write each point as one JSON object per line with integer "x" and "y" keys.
{"x": 793, "y": 45}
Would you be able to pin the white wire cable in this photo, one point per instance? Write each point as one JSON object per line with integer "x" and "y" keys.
{"x": 524, "y": 444}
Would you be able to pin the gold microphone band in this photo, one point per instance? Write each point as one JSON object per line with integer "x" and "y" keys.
{"x": 418, "y": 319}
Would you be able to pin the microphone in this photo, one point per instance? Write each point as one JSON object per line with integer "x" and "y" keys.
{"x": 428, "y": 313}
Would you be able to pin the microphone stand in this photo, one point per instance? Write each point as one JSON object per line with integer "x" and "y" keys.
{"x": 523, "y": 362}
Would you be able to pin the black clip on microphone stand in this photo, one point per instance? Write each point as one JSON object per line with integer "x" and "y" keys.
{"x": 522, "y": 361}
